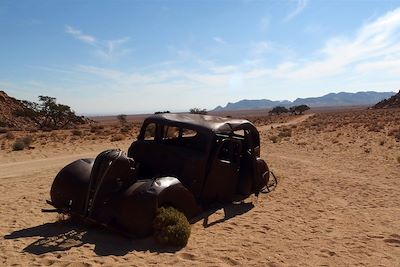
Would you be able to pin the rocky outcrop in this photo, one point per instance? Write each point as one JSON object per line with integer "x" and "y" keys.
{"x": 8, "y": 106}
{"x": 392, "y": 102}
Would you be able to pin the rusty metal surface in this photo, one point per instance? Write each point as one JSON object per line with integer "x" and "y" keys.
{"x": 218, "y": 163}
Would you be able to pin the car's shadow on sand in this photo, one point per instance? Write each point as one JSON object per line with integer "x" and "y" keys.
{"x": 64, "y": 235}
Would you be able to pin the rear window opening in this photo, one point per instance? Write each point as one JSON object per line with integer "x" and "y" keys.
{"x": 176, "y": 136}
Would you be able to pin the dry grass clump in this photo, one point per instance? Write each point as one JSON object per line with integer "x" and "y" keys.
{"x": 376, "y": 128}
{"x": 27, "y": 140}
{"x": 97, "y": 129}
{"x": 274, "y": 138}
{"x": 395, "y": 133}
{"x": 126, "y": 128}
{"x": 171, "y": 227}
{"x": 285, "y": 132}
{"x": 9, "y": 136}
{"x": 77, "y": 132}
{"x": 117, "y": 137}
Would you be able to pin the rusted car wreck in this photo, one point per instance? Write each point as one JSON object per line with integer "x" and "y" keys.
{"x": 187, "y": 161}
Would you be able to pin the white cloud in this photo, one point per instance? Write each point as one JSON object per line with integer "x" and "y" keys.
{"x": 373, "y": 43}
{"x": 300, "y": 5}
{"x": 104, "y": 49}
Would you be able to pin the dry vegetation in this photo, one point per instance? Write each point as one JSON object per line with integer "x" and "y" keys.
{"x": 364, "y": 130}
{"x": 13, "y": 140}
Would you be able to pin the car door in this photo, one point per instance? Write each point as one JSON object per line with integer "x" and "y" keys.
{"x": 223, "y": 176}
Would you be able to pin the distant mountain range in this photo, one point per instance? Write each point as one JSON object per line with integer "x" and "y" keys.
{"x": 329, "y": 100}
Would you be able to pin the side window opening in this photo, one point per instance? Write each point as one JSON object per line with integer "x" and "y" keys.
{"x": 150, "y": 132}
{"x": 230, "y": 152}
{"x": 188, "y": 133}
{"x": 171, "y": 132}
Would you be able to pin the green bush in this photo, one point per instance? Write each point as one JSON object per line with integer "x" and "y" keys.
{"x": 18, "y": 145}
{"x": 171, "y": 227}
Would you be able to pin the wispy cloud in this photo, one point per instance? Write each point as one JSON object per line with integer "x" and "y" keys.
{"x": 219, "y": 40}
{"x": 375, "y": 42}
{"x": 78, "y": 34}
{"x": 300, "y": 5}
{"x": 105, "y": 49}
{"x": 374, "y": 47}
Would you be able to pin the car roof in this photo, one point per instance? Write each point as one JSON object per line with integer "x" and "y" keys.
{"x": 215, "y": 124}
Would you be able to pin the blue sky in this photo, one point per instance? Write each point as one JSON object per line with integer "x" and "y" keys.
{"x": 109, "y": 57}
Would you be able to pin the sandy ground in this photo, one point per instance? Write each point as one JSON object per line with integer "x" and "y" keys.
{"x": 336, "y": 204}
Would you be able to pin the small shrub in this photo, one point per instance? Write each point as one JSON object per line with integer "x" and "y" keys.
{"x": 125, "y": 129}
{"x": 117, "y": 137}
{"x": 96, "y": 128}
{"x": 375, "y": 128}
{"x": 77, "y": 132}
{"x": 198, "y": 111}
{"x": 382, "y": 142}
{"x": 3, "y": 130}
{"x": 27, "y": 140}
{"x": 171, "y": 227}
{"x": 285, "y": 132}
{"x": 398, "y": 159}
{"x": 274, "y": 138}
{"x": 10, "y": 135}
{"x": 367, "y": 150}
{"x": 18, "y": 145}
{"x": 397, "y": 136}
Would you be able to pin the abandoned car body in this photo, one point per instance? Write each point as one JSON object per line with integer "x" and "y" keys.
{"x": 187, "y": 161}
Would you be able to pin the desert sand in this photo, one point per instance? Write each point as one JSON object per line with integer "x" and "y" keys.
{"x": 337, "y": 203}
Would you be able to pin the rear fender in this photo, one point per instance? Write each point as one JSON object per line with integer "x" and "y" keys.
{"x": 69, "y": 189}
{"x": 135, "y": 209}
{"x": 171, "y": 192}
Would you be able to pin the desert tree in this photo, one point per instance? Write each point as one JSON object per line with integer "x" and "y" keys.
{"x": 198, "y": 111}
{"x": 298, "y": 110}
{"x": 122, "y": 118}
{"x": 278, "y": 110}
{"x": 47, "y": 113}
